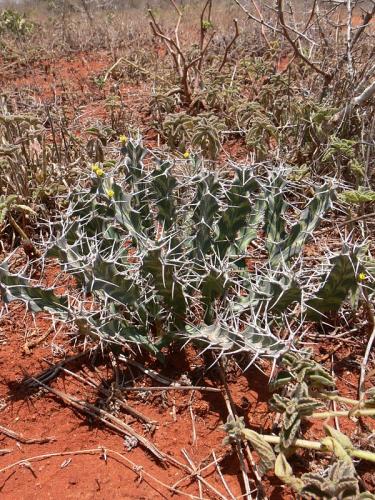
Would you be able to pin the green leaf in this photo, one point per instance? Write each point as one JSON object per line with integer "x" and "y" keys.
{"x": 310, "y": 217}
{"x": 285, "y": 473}
{"x": 338, "y": 283}
{"x": 250, "y": 339}
{"x": 14, "y": 287}
{"x": 205, "y": 209}
{"x": 107, "y": 280}
{"x": 249, "y": 233}
{"x": 235, "y": 217}
{"x": 339, "y": 437}
{"x": 162, "y": 186}
{"x": 213, "y": 287}
{"x": 358, "y": 196}
{"x": 165, "y": 283}
{"x": 274, "y": 226}
{"x": 264, "y": 450}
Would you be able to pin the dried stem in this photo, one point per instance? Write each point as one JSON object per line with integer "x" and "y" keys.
{"x": 229, "y": 45}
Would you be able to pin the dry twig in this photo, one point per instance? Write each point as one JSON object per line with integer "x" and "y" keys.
{"x": 23, "y": 440}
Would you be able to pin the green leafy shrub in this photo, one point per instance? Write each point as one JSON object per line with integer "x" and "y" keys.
{"x": 358, "y": 196}
{"x": 15, "y": 23}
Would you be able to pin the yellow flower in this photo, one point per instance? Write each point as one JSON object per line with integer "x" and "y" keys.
{"x": 99, "y": 172}
{"x": 110, "y": 193}
{"x": 186, "y": 154}
{"x": 123, "y": 139}
{"x": 362, "y": 276}
{"x": 94, "y": 167}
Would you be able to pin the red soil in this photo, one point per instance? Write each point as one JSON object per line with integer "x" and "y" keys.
{"x": 37, "y": 414}
{"x": 50, "y": 77}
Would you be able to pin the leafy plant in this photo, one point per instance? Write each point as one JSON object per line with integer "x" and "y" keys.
{"x": 339, "y": 147}
{"x": 358, "y": 196}
{"x": 201, "y": 132}
{"x": 206, "y": 136}
{"x": 13, "y": 22}
{"x": 32, "y": 169}
{"x": 178, "y": 129}
{"x": 9, "y": 205}
{"x": 307, "y": 386}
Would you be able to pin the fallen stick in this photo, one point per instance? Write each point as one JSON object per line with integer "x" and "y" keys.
{"x": 237, "y": 446}
{"x": 51, "y": 373}
{"x": 134, "y": 413}
{"x": 23, "y": 440}
{"x": 172, "y": 388}
{"x": 151, "y": 373}
{"x": 5, "y": 451}
{"x": 112, "y": 422}
{"x": 34, "y": 342}
{"x": 370, "y": 343}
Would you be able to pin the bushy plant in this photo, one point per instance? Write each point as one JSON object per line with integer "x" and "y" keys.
{"x": 201, "y": 132}
{"x": 33, "y": 171}
{"x": 15, "y": 23}
{"x": 307, "y": 387}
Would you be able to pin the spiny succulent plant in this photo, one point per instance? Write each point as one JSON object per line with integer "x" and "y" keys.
{"x": 159, "y": 254}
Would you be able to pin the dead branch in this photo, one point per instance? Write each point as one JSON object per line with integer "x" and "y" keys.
{"x": 262, "y": 22}
{"x": 23, "y": 440}
{"x": 109, "y": 420}
{"x": 229, "y": 45}
{"x": 298, "y": 53}
{"x": 359, "y": 100}
{"x": 203, "y": 31}
{"x": 262, "y": 19}
{"x": 371, "y": 321}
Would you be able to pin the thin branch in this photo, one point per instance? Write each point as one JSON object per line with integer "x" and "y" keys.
{"x": 262, "y": 22}
{"x": 176, "y": 30}
{"x": 349, "y": 39}
{"x": 370, "y": 343}
{"x": 23, "y": 440}
{"x": 262, "y": 19}
{"x": 104, "y": 452}
{"x": 359, "y": 100}
{"x": 297, "y": 52}
{"x": 257, "y": 20}
{"x": 228, "y": 47}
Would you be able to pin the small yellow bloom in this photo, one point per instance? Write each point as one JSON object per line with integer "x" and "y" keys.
{"x": 110, "y": 193}
{"x": 186, "y": 154}
{"x": 99, "y": 172}
{"x": 94, "y": 167}
{"x": 123, "y": 139}
{"x": 362, "y": 276}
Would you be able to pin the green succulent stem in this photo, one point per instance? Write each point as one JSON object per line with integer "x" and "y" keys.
{"x": 299, "y": 443}
{"x": 313, "y": 445}
{"x": 361, "y": 412}
{"x": 338, "y": 399}
{"x": 363, "y": 455}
